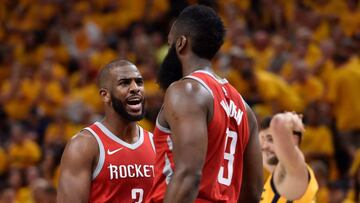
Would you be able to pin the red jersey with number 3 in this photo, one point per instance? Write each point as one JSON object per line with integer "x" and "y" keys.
{"x": 124, "y": 172}
{"x": 228, "y": 135}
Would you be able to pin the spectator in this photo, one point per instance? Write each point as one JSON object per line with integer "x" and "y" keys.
{"x": 3, "y": 162}
{"x": 43, "y": 192}
{"x": 307, "y": 86}
{"x": 317, "y": 143}
{"x": 354, "y": 193}
{"x": 22, "y": 151}
{"x": 343, "y": 96}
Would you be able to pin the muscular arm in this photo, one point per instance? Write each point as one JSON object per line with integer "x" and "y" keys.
{"x": 76, "y": 168}
{"x": 291, "y": 174}
{"x": 185, "y": 112}
{"x": 252, "y": 179}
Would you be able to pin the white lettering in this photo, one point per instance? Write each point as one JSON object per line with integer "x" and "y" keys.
{"x": 225, "y": 107}
{"x": 113, "y": 172}
{"x": 152, "y": 169}
{"x": 131, "y": 171}
{"x": 239, "y": 116}
{"x": 146, "y": 170}
{"x": 232, "y": 110}
{"x": 122, "y": 171}
{"x": 138, "y": 171}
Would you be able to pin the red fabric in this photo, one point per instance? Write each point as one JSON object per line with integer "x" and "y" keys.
{"x": 131, "y": 170}
{"x": 211, "y": 190}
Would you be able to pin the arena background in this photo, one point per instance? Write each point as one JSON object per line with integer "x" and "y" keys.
{"x": 295, "y": 55}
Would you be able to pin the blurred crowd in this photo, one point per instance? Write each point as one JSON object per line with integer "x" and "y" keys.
{"x": 281, "y": 55}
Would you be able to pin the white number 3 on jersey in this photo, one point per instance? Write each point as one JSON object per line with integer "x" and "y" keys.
{"x": 229, "y": 156}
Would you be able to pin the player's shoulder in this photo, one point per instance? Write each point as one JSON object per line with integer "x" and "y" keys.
{"x": 83, "y": 141}
{"x": 83, "y": 134}
{"x": 187, "y": 92}
{"x": 185, "y": 86}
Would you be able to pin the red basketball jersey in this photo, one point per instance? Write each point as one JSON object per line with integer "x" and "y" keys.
{"x": 124, "y": 172}
{"x": 228, "y": 135}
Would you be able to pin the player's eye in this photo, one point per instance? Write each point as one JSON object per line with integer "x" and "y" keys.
{"x": 269, "y": 139}
{"x": 139, "y": 81}
{"x": 124, "y": 82}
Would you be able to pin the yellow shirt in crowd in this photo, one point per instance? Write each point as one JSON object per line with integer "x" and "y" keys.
{"x": 317, "y": 139}
{"x": 3, "y": 161}
{"x": 310, "y": 91}
{"x": 261, "y": 58}
{"x": 88, "y": 94}
{"x": 56, "y": 132}
{"x": 272, "y": 89}
{"x": 25, "y": 154}
{"x": 344, "y": 95}
{"x": 19, "y": 105}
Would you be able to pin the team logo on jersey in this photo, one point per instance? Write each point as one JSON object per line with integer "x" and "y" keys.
{"x": 131, "y": 171}
{"x": 114, "y": 151}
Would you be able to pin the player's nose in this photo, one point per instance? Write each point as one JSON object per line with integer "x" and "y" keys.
{"x": 264, "y": 145}
{"x": 134, "y": 87}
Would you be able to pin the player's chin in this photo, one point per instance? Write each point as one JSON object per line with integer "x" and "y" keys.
{"x": 138, "y": 114}
{"x": 135, "y": 114}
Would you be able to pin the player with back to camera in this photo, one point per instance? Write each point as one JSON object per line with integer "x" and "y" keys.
{"x": 111, "y": 160}
{"x": 207, "y": 148}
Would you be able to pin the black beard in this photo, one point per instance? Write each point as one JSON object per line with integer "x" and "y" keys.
{"x": 119, "y": 108}
{"x": 170, "y": 69}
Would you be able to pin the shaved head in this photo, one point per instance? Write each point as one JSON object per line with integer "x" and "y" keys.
{"x": 121, "y": 88}
{"x": 103, "y": 77}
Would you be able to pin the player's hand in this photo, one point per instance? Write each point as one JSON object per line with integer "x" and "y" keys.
{"x": 287, "y": 122}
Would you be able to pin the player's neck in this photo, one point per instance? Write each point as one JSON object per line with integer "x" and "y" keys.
{"x": 125, "y": 130}
{"x": 194, "y": 63}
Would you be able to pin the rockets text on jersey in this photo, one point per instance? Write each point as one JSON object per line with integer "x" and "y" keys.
{"x": 124, "y": 172}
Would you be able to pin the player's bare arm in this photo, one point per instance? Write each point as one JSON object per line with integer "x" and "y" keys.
{"x": 76, "y": 168}
{"x": 185, "y": 111}
{"x": 252, "y": 180}
{"x": 291, "y": 174}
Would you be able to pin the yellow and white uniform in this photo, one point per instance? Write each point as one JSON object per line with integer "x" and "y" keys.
{"x": 270, "y": 194}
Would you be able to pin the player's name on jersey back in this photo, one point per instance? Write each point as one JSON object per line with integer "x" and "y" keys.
{"x": 232, "y": 110}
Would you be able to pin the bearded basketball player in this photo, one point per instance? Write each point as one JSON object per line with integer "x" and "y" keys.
{"x": 111, "y": 160}
{"x": 207, "y": 148}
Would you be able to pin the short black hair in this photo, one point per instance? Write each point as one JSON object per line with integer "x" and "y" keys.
{"x": 265, "y": 122}
{"x": 103, "y": 75}
{"x": 204, "y": 28}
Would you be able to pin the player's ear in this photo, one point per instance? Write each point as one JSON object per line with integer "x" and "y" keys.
{"x": 181, "y": 43}
{"x": 105, "y": 95}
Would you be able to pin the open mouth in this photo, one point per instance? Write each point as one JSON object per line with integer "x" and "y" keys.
{"x": 270, "y": 154}
{"x": 134, "y": 103}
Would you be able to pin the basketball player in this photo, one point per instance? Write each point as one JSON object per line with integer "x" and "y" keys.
{"x": 291, "y": 180}
{"x": 111, "y": 160}
{"x": 207, "y": 149}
